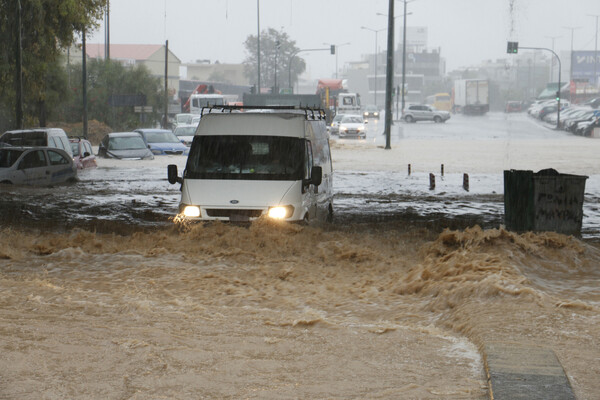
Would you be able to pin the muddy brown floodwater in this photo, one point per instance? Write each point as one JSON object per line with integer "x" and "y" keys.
{"x": 396, "y": 308}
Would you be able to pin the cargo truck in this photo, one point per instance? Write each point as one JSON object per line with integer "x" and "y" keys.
{"x": 471, "y": 96}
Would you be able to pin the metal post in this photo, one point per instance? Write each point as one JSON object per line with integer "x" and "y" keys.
{"x": 258, "y": 43}
{"x": 84, "y": 80}
{"x": 19, "y": 68}
{"x": 107, "y": 28}
{"x": 404, "y": 59}
{"x": 376, "y": 31}
{"x": 389, "y": 76}
{"x": 596, "y": 52}
{"x": 166, "y": 116}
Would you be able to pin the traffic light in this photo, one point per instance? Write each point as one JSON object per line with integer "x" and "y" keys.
{"x": 332, "y": 49}
{"x": 558, "y": 96}
{"x": 512, "y": 47}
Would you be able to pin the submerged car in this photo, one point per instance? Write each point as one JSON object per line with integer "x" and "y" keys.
{"x": 185, "y": 133}
{"x": 41, "y": 166}
{"x": 352, "y": 126}
{"x": 83, "y": 155}
{"x": 163, "y": 142}
{"x": 124, "y": 146}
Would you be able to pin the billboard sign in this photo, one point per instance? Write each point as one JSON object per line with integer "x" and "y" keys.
{"x": 584, "y": 64}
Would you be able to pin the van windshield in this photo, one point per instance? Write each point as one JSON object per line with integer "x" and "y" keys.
{"x": 246, "y": 158}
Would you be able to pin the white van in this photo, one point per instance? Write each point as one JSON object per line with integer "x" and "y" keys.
{"x": 46, "y": 137}
{"x": 244, "y": 165}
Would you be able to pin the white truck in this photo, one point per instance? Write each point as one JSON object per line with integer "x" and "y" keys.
{"x": 471, "y": 96}
{"x": 269, "y": 162}
{"x": 348, "y": 103}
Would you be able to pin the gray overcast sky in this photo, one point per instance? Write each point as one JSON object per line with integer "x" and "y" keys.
{"x": 467, "y": 31}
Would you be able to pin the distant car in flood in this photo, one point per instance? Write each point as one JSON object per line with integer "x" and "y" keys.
{"x": 352, "y": 126}
{"x": 163, "y": 142}
{"x": 185, "y": 133}
{"x": 83, "y": 155}
{"x": 371, "y": 111}
{"x": 41, "y": 166}
{"x": 124, "y": 146}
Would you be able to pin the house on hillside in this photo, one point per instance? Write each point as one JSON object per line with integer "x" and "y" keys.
{"x": 150, "y": 55}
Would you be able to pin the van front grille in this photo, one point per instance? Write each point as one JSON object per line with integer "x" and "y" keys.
{"x": 227, "y": 213}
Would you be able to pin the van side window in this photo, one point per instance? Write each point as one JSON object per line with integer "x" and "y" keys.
{"x": 56, "y": 158}
{"x": 308, "y": 160}
{"x": 35, "y": 159}
{"x": 66, "y": 146}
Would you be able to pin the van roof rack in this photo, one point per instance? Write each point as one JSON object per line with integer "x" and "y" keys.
{"x": 309, "y": 112}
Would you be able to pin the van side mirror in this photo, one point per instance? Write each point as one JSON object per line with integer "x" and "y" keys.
{"x": 317, "y": 175}
{"x": 172, "y": 174}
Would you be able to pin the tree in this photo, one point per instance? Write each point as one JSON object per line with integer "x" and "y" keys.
{"x": 276, "y": 48}
{"x": 47, "y": 27}
{"x": 111, "y": 78}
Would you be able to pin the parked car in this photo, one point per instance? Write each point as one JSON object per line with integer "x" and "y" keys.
{"x": 83, "y": 155}
{"x": 588, "y": 129}
{"x": 125, "y": 146}
{"x": 42, "y": 166}
{"x": 424, "y": 112}
{"x": 50, "y": 137}
{"x": 594, "y": 103}
{"x": 371, "y": 111}
{"x": 163, "y": 142}
{"x": 513, "y": 106}
{"x": 184, "y": 119}
{"x": 185, "y": 133}
{"x": 335, "y": 124}
{"x": 352, "y": 126}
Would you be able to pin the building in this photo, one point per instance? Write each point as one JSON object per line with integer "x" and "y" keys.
{"x": 152, "y": 56}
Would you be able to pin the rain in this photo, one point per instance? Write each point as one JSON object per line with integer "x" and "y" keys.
{"x": 417, "y": 287}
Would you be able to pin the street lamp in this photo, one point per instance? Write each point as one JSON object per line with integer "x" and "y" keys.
{"x": 552, "y": 62}
{"x": 403, "y": 51}
{"x": 376, "y": 31}
{"x": 336, "y": 54}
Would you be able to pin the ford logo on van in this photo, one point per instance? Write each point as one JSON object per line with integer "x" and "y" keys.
{"x": 234, "y": 201}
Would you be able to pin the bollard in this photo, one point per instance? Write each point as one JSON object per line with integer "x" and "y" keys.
{"x": 408, "y": 169}
{"x": 466, "y": 182}
{"x": 442, "y": 169}
{"x": 431, "y": 181}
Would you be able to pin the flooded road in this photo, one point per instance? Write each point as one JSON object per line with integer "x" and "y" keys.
{"x": 103, "y": 297}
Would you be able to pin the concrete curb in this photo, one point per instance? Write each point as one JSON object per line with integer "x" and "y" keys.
{"x": 516, "y": 371}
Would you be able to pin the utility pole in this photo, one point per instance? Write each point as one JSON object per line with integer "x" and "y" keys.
{"x": 107, "y": 33}
{"x": 258, "y": 44}
{"x": 552, "y": 62}
{"x": 404, "y": 58}
{"x": 19, "y": 68}
{"x": 572, "y": 29}
{"x": 595, "y": 52}
{"x": 376, "y": 31}
{"x": 389, "y": 76}
{"x": 166, "y": 116}
{"x": 84, "y": 79}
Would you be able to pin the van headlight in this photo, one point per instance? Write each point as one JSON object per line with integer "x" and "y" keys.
{"x": 343, "y": 128}
{"x": 191, "y": 211}
{"x": 280, "y": 212}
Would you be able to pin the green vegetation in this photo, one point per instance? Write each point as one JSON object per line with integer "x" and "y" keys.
{"x": 276, "y": 48}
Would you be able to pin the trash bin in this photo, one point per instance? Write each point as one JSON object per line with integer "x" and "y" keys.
{"x": 543, "y": 201}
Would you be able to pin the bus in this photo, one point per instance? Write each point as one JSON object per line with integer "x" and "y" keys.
{"x": 440, "y": 101}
